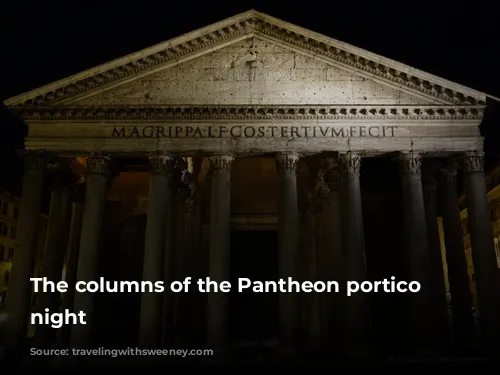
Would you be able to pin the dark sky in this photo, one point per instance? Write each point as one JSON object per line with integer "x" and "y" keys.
{"x": 41, "y": 43}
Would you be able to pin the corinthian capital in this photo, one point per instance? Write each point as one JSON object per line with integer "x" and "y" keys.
{"x": 473, "y": 162}
{"x": 98, "y": 164}
{"x": 287, "y": 162}
{"x": 411, "y": 163}
{"x": 350, "y": 162}
{"x": 161, "y": 164}
{"x": 221, "y": 164}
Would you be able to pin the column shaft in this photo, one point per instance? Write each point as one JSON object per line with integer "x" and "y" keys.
{"x": 217, "y": 319}
{"x": 330, "y": 259}
{"x": 288, "y": 250}
{"x": 461, "y": 297}
{"x": 72, "y": 258}
{"x": 417, "y": 255}
{"x": 19, "y": 299}
{"x": 170, "y": 247}
{"x": 88, "y": 262}
{"x": 53, "y": 259}
{"x": 483, "y": 251}
{"x": 310, "y": 273}
{"x": 440, "y": 305}
{"x": 150, "y": 324}
{"x": 357, "y": 314}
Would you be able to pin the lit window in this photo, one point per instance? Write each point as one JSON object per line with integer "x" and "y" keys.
{"x": 497, "y": 250}
{"x": 11, "y": 254}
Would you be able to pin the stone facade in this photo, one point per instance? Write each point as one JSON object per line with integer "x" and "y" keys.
{"x": 252, "y": 100}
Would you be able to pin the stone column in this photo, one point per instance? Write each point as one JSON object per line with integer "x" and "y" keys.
{"x": 90, "y": 243}
{"x": 181, "y": 259}
{"x": 357, "y": 314}
{"x": 220, "y": 212}
{"x": 417, "y": 255}
{"x": 483, "y": 251}
{"x": 150, "y": 325}
{"x": 53, "y": 255}
{"x": 171, "y": 234}
{"x": 438, "y": 280}
{"x": 461, "y": 297}
{"x": 288, "y": 250}
{"x": 198, "y": 269}
{"x": 309, "y": 260}
{"x": 330, "y": 259}
{"x": 19, "y": 300}
{"x": 75, "y": 231}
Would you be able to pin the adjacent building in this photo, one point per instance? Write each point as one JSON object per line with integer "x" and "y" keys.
{"x": 493, "y": 187}
{"x": 9, "y": 215}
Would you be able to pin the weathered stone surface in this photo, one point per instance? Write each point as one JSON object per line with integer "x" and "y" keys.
{"x": 252, "y": 71}
{"x": 252, "y": 84}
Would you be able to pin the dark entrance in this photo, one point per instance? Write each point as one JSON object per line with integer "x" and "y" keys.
{"x": 253, "y": 316}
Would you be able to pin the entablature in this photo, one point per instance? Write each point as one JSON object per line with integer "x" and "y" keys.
{"x": 255, "y": 112}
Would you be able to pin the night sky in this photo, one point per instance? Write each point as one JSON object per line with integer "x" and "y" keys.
{"x": 42, "y": 43}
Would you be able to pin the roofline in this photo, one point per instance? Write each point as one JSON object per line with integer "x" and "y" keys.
{"x": 381, "y": 59}
{"x": 227, "y": 22}
{"x": 127, "y": 58}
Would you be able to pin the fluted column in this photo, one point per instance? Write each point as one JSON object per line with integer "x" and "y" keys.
{"x": 461, "y": 297}
{"x": 288, "y": 250}
{"x": 416, "y": 254}
{"x": 150, "y": 325}
{"x": 357, "y": 314}
{"x": 19, "y": 303}
{"x": 75, "y": 231}
{"x": 55, "y": 248}
{"x": 483, "y": 251}
{"x": 90, "y": 242}
{"x": 440, "y": 305}
{"x": 220, "y": 212}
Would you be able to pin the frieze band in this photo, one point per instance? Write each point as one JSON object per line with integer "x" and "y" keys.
{"x": 249, "y": 131}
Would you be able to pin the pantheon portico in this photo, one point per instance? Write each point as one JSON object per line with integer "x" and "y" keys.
{"x": 254, "y": 125}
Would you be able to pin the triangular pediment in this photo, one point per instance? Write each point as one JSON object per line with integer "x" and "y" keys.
{"x": 253, "y": 71}
{"x": 250, "y": 59}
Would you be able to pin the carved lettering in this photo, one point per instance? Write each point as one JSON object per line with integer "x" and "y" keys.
{"x": 250, "y": 131}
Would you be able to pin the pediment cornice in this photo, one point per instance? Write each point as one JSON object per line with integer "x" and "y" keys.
{"x": 252, "y": 112}
{"x": 248, "y": 24}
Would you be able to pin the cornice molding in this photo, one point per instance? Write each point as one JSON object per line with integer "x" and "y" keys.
{"x": 249, "y": 24}
{"x": 333, "y": 112}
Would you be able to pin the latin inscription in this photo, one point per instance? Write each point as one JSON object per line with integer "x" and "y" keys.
{"x": 260, "y": 131}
